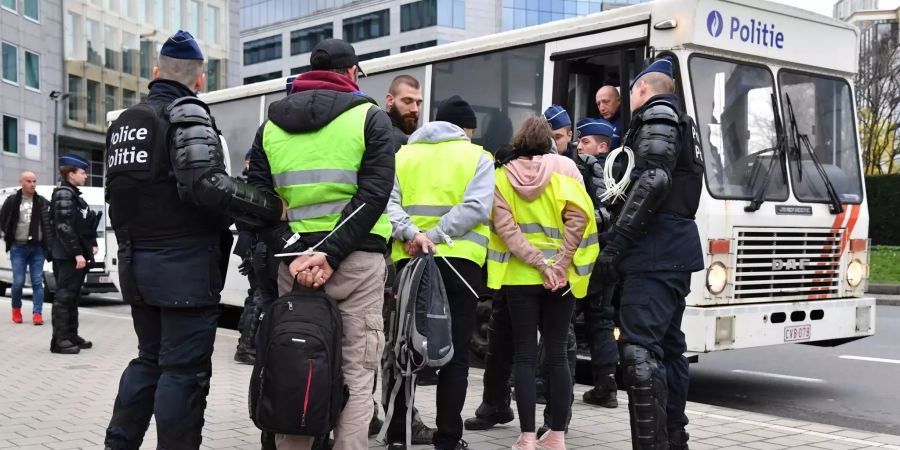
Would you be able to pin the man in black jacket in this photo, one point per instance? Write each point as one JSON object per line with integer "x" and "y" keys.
{"x": 327, "y": 150}
{"x": 74, "y": 247}
{"x": 25, "y": 225}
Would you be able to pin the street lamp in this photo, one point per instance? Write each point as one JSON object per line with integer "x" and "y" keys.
{"x": 56, "y": 96}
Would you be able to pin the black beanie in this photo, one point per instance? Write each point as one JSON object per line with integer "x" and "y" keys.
{"x": 456, "y": 111}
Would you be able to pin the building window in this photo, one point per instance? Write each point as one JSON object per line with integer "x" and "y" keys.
{"x": 128, "y": 98}
{"x": 10, "y": 5}
{"x": 212, "y": 24}
{"x": 303, "y": 41}
{"x": 160, "y": 13}
{"x": 10, "y": 55}
{"x": 10, "y": 134}
{"x": 421, "y": 14}
{"x": 129, "y": 53}
{"x": 177, "y": 15}
{"x": 110, "y": 98}
{"x": 452, "y": 13}
{"x": 111, "y": 60}
{"x": 260, "y": 50}
{"x": 32, "y": 70}
{"x": 73, "y": 28}
{"x": 32, "y": 10}
{"x": 147, "y": 57}
{"x": 94, "y": 43}
{"x": 263, "y": 77}
{"x": 193, "y": 22}
{"x": 367, "y": 26}
{"x": 373, "y": 55}
{"x": 420, "y": 45}
{"x": 301, "y": 69}
{"x": 213, "y": 73}
{"x": 74, "y": 98}
{"x": 93, "y": 98}
{"x": 126, "y": 8}
{"x": 142, "y": 11}
{"x": 520, "y": 14}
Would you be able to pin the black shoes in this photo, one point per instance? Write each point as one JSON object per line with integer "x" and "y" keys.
{"x": 604, "y": 398}
{"x": 421, "y": 434}
{"x": 81, "y": 342}
{"x": 487, "y": 416}
{"x": 461, "y": 445}
{"x": 678, "y": 440}
{"x": 64, "y": 347}
{"x": 245, "y": 357}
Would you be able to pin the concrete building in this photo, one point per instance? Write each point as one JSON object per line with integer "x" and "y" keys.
{"x": 30, "y": 69}
{"x": 110, "y": 49}
{"x": 277, "y": 35}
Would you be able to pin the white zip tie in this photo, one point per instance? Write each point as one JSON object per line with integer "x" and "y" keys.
{"x": 567, "y": 291}
{"x": 615, "y": 190}
{"x": 312, "y": 250}
{"x": 458, "y": 274}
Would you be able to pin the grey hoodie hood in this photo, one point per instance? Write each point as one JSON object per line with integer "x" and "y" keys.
{"x": 438, "y": 131}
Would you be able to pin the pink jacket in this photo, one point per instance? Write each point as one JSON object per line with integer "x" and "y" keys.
{"x": 529, "y": 178}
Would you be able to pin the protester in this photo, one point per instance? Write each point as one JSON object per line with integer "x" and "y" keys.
{"x": 403, "y": 100}
{"x": 26, "y": 229}
{"x": 609, "y": 104}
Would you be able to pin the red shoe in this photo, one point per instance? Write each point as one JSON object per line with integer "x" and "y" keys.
{"x": 17, "y": 315}
{"x": 37, "y": 319}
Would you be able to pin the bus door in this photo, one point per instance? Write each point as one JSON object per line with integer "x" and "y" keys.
{"x": 582, "y": 65}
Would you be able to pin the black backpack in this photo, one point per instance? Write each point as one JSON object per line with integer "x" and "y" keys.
{"x": 297, "y": 386}
{"x": 422, "y": 332}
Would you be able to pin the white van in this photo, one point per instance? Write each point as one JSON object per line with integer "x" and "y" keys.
{"x": 98, "y": 279}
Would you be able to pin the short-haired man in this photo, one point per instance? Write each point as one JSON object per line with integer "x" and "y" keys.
{"x": 25, "y": 226}
{"x": 171, "y": 203}
{"x": 322, "y": 189}
{"x": 402, "y": 103}
{"x": 608, "y": 103}
{"x": 654, "y": 246}
{"x": 560, "y": 127}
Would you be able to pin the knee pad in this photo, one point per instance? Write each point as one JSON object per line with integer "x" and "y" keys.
{"x": 640, "y": 366}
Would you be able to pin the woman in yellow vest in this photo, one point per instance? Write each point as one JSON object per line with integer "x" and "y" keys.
{"x": 542, "y": 248}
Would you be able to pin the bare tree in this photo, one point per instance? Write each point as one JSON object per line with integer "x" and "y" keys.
{"x": 878, "y": 102}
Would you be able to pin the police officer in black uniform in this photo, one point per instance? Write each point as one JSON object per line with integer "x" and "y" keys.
{"x": 245, "y": 248}
{"x": 654, "y": 246}
{"x": 169, "y": 201}
{"x": 72, "y": 251}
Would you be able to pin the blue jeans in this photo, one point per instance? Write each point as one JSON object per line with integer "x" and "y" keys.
{"x": 30, "y": 257}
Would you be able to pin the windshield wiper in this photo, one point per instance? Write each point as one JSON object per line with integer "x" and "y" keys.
{"x": 759, "y": 193}
{"x": 797, "y": 139}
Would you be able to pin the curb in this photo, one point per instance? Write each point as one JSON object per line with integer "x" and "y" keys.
{"x": 887, "y": 302}
{"x": 884, "y": 289}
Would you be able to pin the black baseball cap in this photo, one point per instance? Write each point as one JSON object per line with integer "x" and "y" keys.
{"x": 339, "y": 55}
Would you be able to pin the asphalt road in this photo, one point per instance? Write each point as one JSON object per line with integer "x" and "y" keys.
{"x": 854, "y": 385}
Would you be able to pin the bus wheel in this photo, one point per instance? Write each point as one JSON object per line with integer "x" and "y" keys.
{"x": 3, "y": 287}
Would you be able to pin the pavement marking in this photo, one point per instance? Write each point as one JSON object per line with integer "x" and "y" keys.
{"x": 779, "y": 376}
{"x": 870, "y": 359}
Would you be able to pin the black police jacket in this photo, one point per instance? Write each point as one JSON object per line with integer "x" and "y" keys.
{"x": 74, "y": 224}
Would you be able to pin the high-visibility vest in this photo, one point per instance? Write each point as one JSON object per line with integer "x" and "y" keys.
{"x": 433, "y": 178}
{"x": 315, "y": 172}
{"x": 541, "y": 222}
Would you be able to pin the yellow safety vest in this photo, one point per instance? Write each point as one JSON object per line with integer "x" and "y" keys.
{"x": 542, "y": 224}
{"x": 433, "y": 178}
{"x": 315, "y": 172}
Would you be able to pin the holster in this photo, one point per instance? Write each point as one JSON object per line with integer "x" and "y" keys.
{"x": 127, "y": 280}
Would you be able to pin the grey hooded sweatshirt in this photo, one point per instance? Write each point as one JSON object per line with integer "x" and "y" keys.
{"x": 476, "y": 204}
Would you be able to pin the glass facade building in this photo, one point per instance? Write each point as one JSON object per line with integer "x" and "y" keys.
{"x": 525, "y": 13}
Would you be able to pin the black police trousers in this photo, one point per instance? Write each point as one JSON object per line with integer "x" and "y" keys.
{"x": 599, "y": 322}
{"x": 169, "y": 379}
{"x": 453, "y": 378}
{"x": 655, "y": 371}
{"x": 64, "y": 317}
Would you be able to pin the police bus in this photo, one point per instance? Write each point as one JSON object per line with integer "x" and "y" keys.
{"x": 783, "y": 216}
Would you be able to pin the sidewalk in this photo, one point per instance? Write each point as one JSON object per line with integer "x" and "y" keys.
{"x": 64, "y": 402}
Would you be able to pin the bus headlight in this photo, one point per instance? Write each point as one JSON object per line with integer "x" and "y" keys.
{"x": 855, "y": 272}
{"x": 716, "y": 278}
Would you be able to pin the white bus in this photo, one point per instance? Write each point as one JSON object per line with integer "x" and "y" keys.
{"x": 784, "y": 227}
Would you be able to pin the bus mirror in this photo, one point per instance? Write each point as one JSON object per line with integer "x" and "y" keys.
{"x": 666, "y": 25}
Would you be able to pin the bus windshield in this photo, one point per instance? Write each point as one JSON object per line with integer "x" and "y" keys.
{"x": 737, "y": 126}
{"x": 823, "y": 111}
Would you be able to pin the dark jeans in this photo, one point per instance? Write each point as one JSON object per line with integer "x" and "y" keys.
{"x": 68, "y": 292}
{"x": 498, "y": 361}
{"x": 169, "y": 378}
{"x": 31, "y": 258}
{"x": 531, "y": 307}
{"x": 650, "y": 315}
{"x": 453, "y": 377}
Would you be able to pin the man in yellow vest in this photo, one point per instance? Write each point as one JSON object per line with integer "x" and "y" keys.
{"x": 441, "y": 204}
{"x": 326, "y": 150}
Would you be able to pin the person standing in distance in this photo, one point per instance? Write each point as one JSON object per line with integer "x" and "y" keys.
{"x": 25, "y": 226}
{"x": 654, "y": 246}
{"x": 170, "y": 203}
{"x": 608, "y": 103}
{"x": 74, "y": 247}
{"x": 326, "y": 110}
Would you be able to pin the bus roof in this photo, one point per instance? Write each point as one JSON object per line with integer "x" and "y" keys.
{"x": 714, "y": 24}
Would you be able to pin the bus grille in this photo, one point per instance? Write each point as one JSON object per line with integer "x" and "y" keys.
{"x": 787, "y": 264}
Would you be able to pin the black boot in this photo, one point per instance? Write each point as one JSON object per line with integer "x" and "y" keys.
{"x": 646, "y": 398}
{"x": 61, "y": 342}
{"x": 678, "y": 439}
{"x": 81, "y": 342}
{"x": 64, "y": 347}
{"x": 486, "y": 416}
{"x": 603, "y": 393}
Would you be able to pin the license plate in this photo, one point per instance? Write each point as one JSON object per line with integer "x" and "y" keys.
{"x": 105, "y": 280}
{"x": 797, "y": 333}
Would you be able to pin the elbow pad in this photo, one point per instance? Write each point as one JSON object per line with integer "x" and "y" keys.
{"x": 647, "y": 195}
{"x": 197, "y": 149}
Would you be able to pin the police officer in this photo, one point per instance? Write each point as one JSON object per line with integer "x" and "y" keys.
{"x": 245, "y": 248}
{"x": 169, "y": 201}
{"x": 73, "y": 249}
{"x": 654, "y": 246}
{"x": 594, "y": 140}
{"x": 561, "y": 128}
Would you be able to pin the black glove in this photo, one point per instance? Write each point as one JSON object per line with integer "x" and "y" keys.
{"x": 245, "y": 267}
{"x": 607, "y": 264}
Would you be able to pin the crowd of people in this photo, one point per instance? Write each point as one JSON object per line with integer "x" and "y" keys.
{"x": 368, "y": 189}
